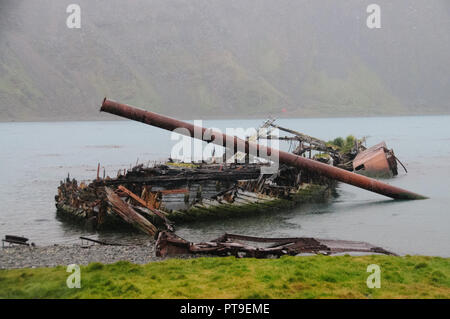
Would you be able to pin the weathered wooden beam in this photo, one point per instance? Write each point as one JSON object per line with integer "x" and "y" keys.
{"x": 98, "y": 241}
{"x": 158, "y": 213}
{"x": 128, "y": 214}
{"x": 157, "y": 180}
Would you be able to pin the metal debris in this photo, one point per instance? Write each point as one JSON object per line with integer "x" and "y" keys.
{"x": 169, "y": 244}
{"x": 377, "y": 161}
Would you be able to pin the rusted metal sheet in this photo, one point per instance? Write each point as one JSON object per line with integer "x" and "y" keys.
{"x": 377, "y": 160}
{"x": 210, "y": 136}
{"x": 128, "y": 214}
{"x": 169, "y": 244}
{"x": 174, "y": 191}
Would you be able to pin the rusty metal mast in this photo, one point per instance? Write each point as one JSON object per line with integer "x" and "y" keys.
{"x": 209, "y": 136}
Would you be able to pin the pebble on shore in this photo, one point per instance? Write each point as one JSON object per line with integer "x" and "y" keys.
{"x": 51, "y": 256}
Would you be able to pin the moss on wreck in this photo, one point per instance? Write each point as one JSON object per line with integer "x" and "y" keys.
{"x": 344, "y": 146}
{"x": 308, "y": 193}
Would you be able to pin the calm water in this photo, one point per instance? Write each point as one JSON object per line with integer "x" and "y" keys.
{"x": 34, "y": 157}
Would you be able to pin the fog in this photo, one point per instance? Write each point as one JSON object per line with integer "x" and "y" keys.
{"x": 222, "y": 58}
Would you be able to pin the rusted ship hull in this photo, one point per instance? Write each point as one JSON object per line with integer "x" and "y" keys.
{"x": 376, "y": 161}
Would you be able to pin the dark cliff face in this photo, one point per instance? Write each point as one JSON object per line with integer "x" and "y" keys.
{"x": 224, "y": 58}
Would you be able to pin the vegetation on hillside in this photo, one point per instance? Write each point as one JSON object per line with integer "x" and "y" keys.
{"x": 238, "y": 59}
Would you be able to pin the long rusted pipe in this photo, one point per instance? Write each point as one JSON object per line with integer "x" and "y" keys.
{"x": 209, "y": 136}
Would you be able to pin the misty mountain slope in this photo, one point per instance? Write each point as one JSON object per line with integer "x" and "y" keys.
{"x": 224, "y": 58}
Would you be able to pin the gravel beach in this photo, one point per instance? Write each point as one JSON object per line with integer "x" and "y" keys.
{"x": 50, "y": 256}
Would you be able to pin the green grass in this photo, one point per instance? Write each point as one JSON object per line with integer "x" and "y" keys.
{"x": 287, "y": 277}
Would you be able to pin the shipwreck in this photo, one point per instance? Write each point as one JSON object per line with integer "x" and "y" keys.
{"x": 350, "y": 154}
{"x": 153, "y": 199}
{"x": 176, "y": 192}
{"x": 236, "y": 144}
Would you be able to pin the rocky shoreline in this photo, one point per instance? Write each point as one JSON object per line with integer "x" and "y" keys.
{"x": 51, "y": 256}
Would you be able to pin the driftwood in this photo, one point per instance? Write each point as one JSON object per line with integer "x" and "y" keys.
{"x": 13, "y": 239}
{"x": 128, "y": 214}
{"x": 95, "y": 241}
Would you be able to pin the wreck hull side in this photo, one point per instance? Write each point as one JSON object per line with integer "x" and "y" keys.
{"x": 246, "y": 207}
{"x": 375, "y": 165}
{"x": 307, "y": 194}
{"x": 376, "y": 161}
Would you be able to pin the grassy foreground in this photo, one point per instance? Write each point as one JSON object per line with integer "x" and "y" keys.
{"x": 287, "y": 277}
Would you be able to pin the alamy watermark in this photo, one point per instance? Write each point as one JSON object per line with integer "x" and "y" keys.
{"x": 237, "y": 145}
{"x": 73, "y": 21}
{"x": 374, "y": 279}
{"x": 373, "y": 21}
{"x": 74, "y": 279}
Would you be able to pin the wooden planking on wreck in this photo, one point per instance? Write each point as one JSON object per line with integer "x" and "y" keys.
{"x": 190, "y": 193}
{"x": 245, "y": 203}
{"x": 128, "y": 214}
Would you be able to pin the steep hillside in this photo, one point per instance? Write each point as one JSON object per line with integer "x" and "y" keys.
{"x": 215, "y": 58}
